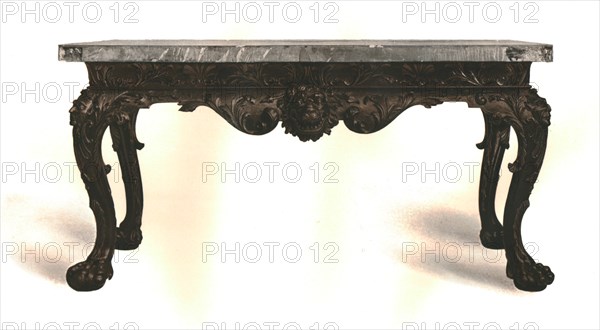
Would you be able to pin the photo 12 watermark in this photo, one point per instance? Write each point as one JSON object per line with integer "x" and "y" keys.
{"x": 40, "y": 91}
{"x": 269, "y": 252}
{"x": 470, "y": 12}
{"x": 270, "y": 11}
{"x": 272, "y": 325}
{"x": 453, "y": 252}
{"x": 69, "y": 12}
{"x": 53, "y": 252}
{"x": 270, "y": 172}
{"x": 49, "y": 172}
{"x": 449, "y": 172}
{"x": 69, "y": 325}
{"x": 469, "y": 325}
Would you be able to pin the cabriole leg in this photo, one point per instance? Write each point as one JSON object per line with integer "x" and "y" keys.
{"x": 529, "y": 115}
{"x": 90, "y": 116}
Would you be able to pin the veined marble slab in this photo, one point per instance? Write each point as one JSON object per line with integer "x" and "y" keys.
{"x": 255, "y": 51}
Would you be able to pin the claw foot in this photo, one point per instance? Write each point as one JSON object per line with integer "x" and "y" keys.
{"x": 128, "y": 239}
{"x": 492, "y": 239}
{"x": 89, "y": 275}
{"x": 530, "y": 276}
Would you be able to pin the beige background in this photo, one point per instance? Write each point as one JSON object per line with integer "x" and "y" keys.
{"x": 371, "y": 215}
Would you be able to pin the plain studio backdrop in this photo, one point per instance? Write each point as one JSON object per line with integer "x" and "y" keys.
{"x": 358, "y": 231}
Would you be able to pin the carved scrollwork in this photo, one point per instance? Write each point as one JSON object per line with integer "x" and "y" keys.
{"x": 369, "y": 112}
{"x": 251, "y": 114}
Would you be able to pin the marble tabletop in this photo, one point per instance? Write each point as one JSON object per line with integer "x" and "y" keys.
{"x": 256, "y": 51}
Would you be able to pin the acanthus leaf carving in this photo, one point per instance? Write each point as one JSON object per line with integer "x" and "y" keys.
{"x": 370, "y": 111}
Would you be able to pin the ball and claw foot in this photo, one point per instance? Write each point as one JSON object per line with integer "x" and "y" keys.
{"x": 128, "y": 239}
{"x": 530, "y": 276}
{"x": 492, "y": 239}
{"x": 89, "y": 275}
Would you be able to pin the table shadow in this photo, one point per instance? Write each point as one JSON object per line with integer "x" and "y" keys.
{"x": 447, "y": 245}
{"x": 65, "y": 236}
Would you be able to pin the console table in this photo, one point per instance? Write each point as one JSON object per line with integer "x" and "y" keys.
{"x": 308, "y": 85}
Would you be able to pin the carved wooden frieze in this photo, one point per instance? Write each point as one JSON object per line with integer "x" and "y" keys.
{"x": 240, "y": 75}
{"x": 308, "y": 98}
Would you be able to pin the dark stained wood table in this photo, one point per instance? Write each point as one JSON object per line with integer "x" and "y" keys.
{"x": 308, "y": 85}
